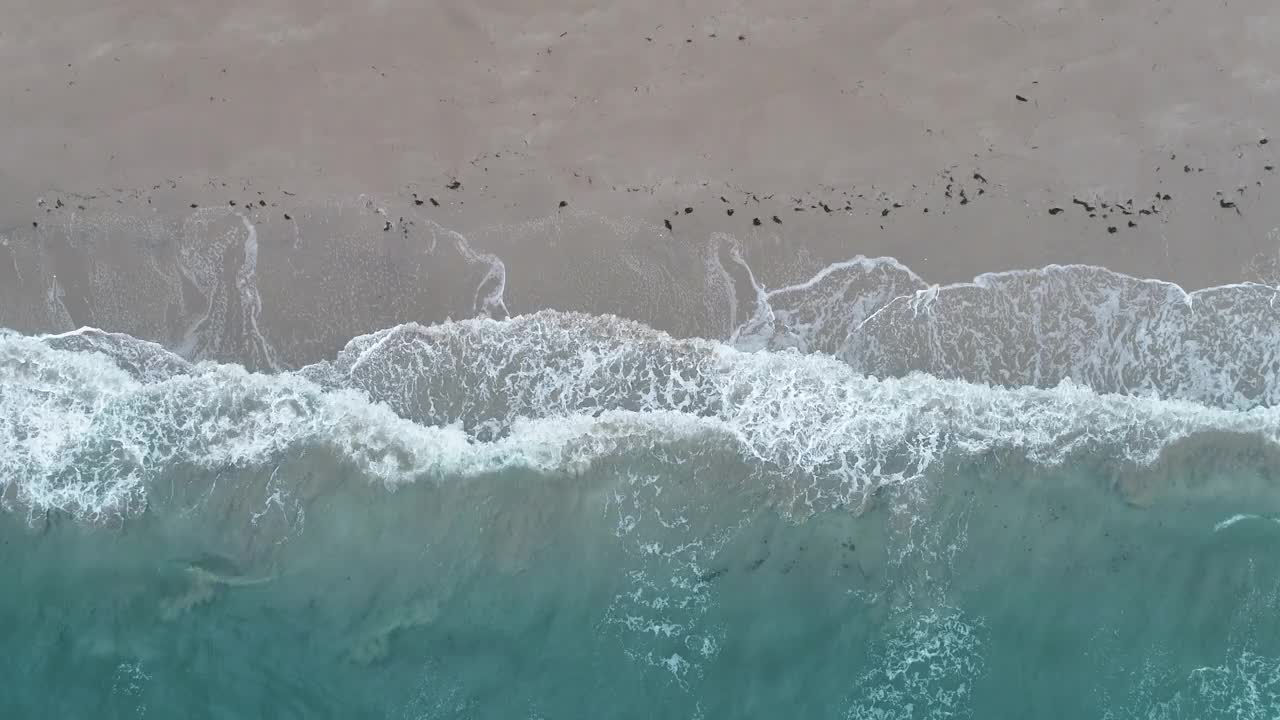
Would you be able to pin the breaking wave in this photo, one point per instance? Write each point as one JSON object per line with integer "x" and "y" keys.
{"x": 819, "y": 517}
{"x": 90, "y": 419}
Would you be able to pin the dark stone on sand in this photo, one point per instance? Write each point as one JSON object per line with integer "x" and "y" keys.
{"x": 1112, "y": 229}
{"x": 777, "y": 219}
{"x": 1055, "y": 211}
{"x": 1020, "y": 98}
{"x": 688, "y": 210}
{"x": 667, "y": 223}
{"x": 564, "y": 203}
{"x": 729, "y": 212}
{"x": 434, "y": 202}
{"x": 455, "y": 185}
{"x": 755, "y": 221}
{"x": 287, "y": 216}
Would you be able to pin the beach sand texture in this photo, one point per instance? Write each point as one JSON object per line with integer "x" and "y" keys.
{"x": 262, "y": 181}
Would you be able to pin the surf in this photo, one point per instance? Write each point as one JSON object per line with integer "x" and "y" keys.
{"x": 92, "y": 419}
{"x": 823, "y": 513}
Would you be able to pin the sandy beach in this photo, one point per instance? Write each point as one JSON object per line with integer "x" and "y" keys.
{"x": 499, "y": 359}
{"x": 262, "y": 181}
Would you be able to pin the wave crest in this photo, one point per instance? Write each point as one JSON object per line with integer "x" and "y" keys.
{"x": 89, "y": 426}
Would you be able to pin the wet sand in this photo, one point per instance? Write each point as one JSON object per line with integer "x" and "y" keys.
{"x": 558, "y": 139}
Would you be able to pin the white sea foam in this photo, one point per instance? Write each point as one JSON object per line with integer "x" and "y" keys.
{"x": 927, "y": 669}
{"x": 85, "y": 425}
{"x": 1239, "y": 518}
{"x": 1108, "y": 331}
{"x": 209, "y": 236}
{"x": 488, "y": 300}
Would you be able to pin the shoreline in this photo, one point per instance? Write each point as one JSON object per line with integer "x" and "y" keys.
{"x": 239, "y": 283}
{"x": 557, "y": 141}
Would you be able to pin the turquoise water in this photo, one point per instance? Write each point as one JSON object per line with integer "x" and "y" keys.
{"x": 987, "y": 594}
{"x": 570, "y": 517}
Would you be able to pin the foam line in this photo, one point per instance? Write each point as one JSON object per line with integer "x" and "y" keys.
{"x": 1111, "y": 332}
{"x": 90, "y": 420}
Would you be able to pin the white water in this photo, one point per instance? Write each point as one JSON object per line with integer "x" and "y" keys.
{"x": 1108, "y": 331}
{"x": 88, "y": 419}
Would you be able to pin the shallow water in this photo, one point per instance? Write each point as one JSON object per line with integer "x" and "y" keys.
{"x": 656, "y": 584}
{"x": 570, "y": 516}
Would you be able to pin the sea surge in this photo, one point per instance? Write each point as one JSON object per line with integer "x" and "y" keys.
{"x": 1049, "y": 493}
{"x": 94, "y": 420}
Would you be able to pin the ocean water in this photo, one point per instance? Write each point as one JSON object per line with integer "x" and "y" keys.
{"x": 1045, "y": 494}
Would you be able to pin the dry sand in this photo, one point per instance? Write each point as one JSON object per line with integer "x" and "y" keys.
{"x": 321, "y": 121}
